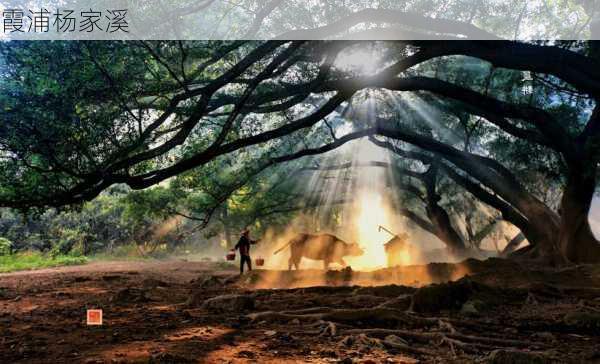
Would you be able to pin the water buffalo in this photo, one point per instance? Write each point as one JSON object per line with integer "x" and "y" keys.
{"x": 326, "y": 247}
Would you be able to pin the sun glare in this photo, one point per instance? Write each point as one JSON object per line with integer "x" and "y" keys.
{"x": 360, "y": 60}
{"x": 371, "y": 212}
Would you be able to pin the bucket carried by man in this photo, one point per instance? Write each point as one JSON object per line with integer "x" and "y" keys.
{"x": 230, "y": 255}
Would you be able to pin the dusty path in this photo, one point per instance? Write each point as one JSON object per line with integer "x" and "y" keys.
{"x": 95, "y": 266}
{"x": 171, "y": 268}
{"x": 160, "y": 312}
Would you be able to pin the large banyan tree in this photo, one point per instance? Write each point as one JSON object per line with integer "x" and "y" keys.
{"x": 79, "y": 117}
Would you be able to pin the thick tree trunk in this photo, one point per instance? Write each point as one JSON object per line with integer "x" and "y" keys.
{"x": 576, "y": 240}
{"x": 444, "y": 229}
{"x": 537, "y": 222}
{"x": 542, "y": 232}
{"x": 438, "y": 216}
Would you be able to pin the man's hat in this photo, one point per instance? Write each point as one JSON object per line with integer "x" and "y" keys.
{"x": 245, "y": 231}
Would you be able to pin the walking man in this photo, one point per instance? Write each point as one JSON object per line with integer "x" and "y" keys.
{"x": 244, "y": 246}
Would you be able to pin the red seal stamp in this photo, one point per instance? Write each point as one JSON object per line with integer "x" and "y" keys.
{"x": 94, "y": 317}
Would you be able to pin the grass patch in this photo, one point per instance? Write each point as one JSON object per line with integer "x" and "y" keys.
{"x": 35, "y": 260}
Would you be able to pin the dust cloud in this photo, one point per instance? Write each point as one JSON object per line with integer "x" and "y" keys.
{"x": 167, "y": 227}
{"x": 361, "y": 204}
{"x": 370, "y": 269}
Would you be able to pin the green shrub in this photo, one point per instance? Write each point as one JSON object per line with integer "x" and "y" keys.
{"x": 5, "y": 246}
{"x": 120, "y": 252}
{"x": 69, "y": 239}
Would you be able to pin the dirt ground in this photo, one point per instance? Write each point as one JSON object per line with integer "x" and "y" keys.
{"x": 199, "y": 312}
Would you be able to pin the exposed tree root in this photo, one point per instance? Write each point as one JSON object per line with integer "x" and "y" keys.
{"x": 498, "y": 342}
{"x": 283, "y": 317}
{"x": 447, "y": 326}
{"x": 376, "y": 314}
{"x": 473, "y": 325}
{"x": 531, "y": 300}
{"x": 460, "y": 340}
{"x": 450, "y": 343}
{"x": 405, "y": 334}
{"x": 307, "y": 311}
{"x": 334, "y": 322}
{"x": 379, "y": 314}
{"x": 392, "y": 325}
{"x": 330, "y": 329}
{"x": 406, "y": 348}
